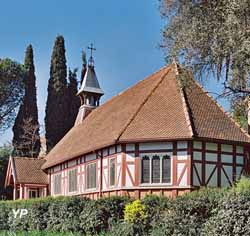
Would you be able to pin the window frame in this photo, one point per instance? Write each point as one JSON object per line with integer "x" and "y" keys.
{"x": 150, "y": 156}
{"x": 74, "y": 191}
{"x": 54, "y": 176}
{"x": 86, "y": 176}
{"x": 115, "y": 165}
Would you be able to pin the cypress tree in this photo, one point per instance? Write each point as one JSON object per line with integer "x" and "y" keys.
{"x": 74, "y": 101}
{"x": 57, "y": 101}
{"x": 26, "y": 139}
{"x": 84, "y": 66}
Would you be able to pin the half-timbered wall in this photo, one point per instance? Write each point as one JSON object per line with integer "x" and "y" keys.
{"x": 216, "y": 164}
{"x": 126, "y": 170}
{"x": 117, "y": 170}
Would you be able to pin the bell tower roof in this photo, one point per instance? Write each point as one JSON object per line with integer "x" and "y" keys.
{"x": 90, "y": 83}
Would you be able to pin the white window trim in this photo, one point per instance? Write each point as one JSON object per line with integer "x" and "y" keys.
{"x": 86, "y": 178}
{"x": 161, "y": 155}
{"x": 53, "y": 188}
{"x": 112, "y": 186}
{"x": 72, "y": 192}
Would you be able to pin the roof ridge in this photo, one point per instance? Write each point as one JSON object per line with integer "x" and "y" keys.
{"x": 120, "y": 93}
{"x": 184, "y": 102}
{"x": 146, "y": 99}
{"x": 221, "y": 108}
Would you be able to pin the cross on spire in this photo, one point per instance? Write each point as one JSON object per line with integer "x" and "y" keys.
{"x": 91, "y": 60}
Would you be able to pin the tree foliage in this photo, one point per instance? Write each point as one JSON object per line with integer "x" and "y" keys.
{"x": 26, "y": 138}
{"x": 5, "y": 152}
{"x": 73, "y": 99}
{"x": 57, "y": 100}
{"x": 84, "y": 66}
{"x": 11, "y": 91}
{"x": 213, "y": 38}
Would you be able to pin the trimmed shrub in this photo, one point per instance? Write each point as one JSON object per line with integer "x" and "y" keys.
{"x": 233, "y": 217}
{"x": 135, "y": 212}
{"x": 243, "y": 185}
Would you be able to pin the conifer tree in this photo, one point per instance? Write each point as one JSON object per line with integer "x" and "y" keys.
{"x": 23, "y": 145}
{"x": 84, "y": 66}
{"x": 57, "y": 101}
{"x": 74, "y": 101}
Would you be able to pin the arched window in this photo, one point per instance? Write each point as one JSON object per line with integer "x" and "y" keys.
{"x": 156, "y": 169}
{"x": 166, "y": 169}
{"x": 145, "y": 173}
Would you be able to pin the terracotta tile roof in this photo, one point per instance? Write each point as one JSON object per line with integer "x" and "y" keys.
{"x": 208, "y": 118}
{"x": 155, "y": 108}
{"x": 28, "y": 170}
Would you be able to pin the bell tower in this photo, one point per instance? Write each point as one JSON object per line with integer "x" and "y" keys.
{"x": 90, "y": 91}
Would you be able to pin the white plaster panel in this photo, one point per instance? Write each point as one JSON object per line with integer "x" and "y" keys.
{"x": 229, "y": 172}
{"x": 155, "y": 146}
{"x": 182, "y": 144}
{"x": 105, "y": 152}
{"x": 90, "y": 157}
{"x": 197, "y": 156}
{"x": 238, "y": 171}
{"x": 130, "y": 147}
{"x": 197, "y": 145}
{"x": 71, "y": 163}
{"x": 105, "y": 176}
{"x": 226, "y": 148}
{"x": 239, "y": 149}
{"x": 196, "y": 181}
{"x": 57, "y": 168}
{"x": 182, "y": 155}
{"x": 240, "y": 160}
{"x": 119, "y": 159}
{"x": 184, "y": 179}
{"x": 119, "y": 148}
{"x": 211, "y": 157}
{"x": 119, "y": 176}
{"x": 128, "y": 180}
{"x": 112, "y": 150}
{"x": 213, "y": 180}
{"x": 211, "y": 146}
{"x": 130, "y": 157}
{"x": 226, "y": 158}
{"x": 105, "y": 162}
{"x": 180, "y": 167}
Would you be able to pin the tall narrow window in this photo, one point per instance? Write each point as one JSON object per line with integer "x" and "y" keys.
{"x": 73, "y": 180}
{"x": 156, "y": 169}
{"x": 145, "y": 170}
{"x": 91, "y": 176}
{"x": 112, "y": 172}
{"x": 57, "y": 188}
{"x": 166, "y": 169}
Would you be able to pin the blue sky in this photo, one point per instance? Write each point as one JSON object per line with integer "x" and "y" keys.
{"x": 125, "y": 33}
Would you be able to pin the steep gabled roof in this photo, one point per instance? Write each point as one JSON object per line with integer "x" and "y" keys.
{"x": 28, "y": 170}
{"x": 156, "y": 108}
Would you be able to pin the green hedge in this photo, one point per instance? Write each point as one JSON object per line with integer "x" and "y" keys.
{"x": 203, "y": 212}
{"x": 63, "y": 214}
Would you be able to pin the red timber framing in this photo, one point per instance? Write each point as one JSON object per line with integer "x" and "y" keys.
{"x": 194, "y": 163}
{"x": 217, "y": 164}
{"x": 127, "y": 159}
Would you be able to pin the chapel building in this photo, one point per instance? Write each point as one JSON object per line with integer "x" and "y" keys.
{"x": 165, "y": 136}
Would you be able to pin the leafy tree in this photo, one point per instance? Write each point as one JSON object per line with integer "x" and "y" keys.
{"x": 57, "y": 101}
{"x": 5, "y": 152}
{"x": 212, "y": 37}
{"x": 27, "y": 116}
{"x": 74, "y": 101}
{"x": 11, "y": 91}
